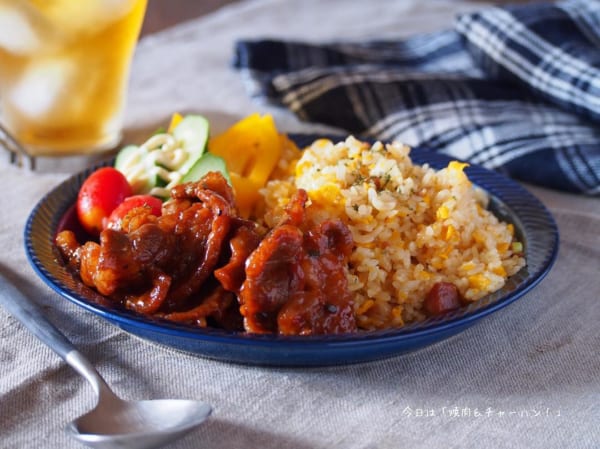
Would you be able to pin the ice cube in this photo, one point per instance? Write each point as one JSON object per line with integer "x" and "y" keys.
{"x": 113, "y": 10}
{"x": 84, "y": 16}
{"x": 18, "y": 32}
{"x": 42, "y": 87}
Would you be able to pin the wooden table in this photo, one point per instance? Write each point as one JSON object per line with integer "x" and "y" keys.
{"x": 163, "y": 14}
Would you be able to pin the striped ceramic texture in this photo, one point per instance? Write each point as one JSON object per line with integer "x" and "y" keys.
{"x": 533, "y": 223}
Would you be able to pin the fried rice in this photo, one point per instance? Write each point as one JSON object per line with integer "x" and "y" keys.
{"x": 413, "y": 226}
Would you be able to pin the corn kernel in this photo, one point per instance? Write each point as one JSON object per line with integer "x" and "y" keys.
{"x": 500, "y": 271}
{"x": 467, "y": 266}
{"x": 300, "y": 168}
{"x": 322, "y": 143}
{"x": 449, "y": 232}
{"x": 478, "y": 281}
{"x": 458, "y": 166}
{"x": 478, "y": 237}
{"x": 437, "y": 264}
{"x": 446, "y": 253}
{"x": 442, "y": 213}
{"x": 502, "y": 247}
{"x": 424, "y": 275}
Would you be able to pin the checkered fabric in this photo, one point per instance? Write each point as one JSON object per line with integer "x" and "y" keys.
{"x": 514, "y": 89}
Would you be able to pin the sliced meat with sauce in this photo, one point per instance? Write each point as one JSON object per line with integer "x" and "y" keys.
{"x": 296, "y": 279}
{"x": 163, "y": 266}
{"x": 199, "y": 263}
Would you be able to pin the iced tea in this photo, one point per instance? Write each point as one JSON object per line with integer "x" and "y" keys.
{"x": 64, "y": 68}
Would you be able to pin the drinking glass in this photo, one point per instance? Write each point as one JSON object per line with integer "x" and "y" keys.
{"x": 64, "y": 69}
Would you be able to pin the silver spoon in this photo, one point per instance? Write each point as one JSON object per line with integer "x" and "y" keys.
{"x": 114, "y": 423}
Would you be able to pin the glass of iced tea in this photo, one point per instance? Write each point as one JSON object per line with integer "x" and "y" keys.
{"x": 64, "y": 69}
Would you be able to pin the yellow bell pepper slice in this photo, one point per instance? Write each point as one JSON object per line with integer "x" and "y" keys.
{"x": 246, "y": 193}
{"x": 175, "y": 119}
{"x": 251, "y": 148}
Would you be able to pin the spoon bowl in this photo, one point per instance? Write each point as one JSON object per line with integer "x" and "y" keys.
{"x": 137, "y": 424}
{"x": 113, "y": 423}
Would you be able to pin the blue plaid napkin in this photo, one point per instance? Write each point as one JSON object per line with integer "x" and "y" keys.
{"x": 515, "y": 89}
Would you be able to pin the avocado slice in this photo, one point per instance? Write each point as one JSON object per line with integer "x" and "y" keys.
{"x": 124, "y": 156}
{"x": 192, "y": 132}
{"x": 141, "y": 167}
{"x": 207, "y": 163}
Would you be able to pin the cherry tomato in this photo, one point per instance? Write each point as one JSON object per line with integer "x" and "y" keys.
{"x": 114, "y": 220}
{"x": 99, "y": 195}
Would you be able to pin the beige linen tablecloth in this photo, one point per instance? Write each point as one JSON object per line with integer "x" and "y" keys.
{"x": 525, "y": 377}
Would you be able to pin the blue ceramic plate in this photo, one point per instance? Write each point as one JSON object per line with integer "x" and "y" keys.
{"x": 534, "y": 226}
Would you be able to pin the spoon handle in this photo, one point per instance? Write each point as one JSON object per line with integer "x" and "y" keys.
{"x": 31, "y": 316}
